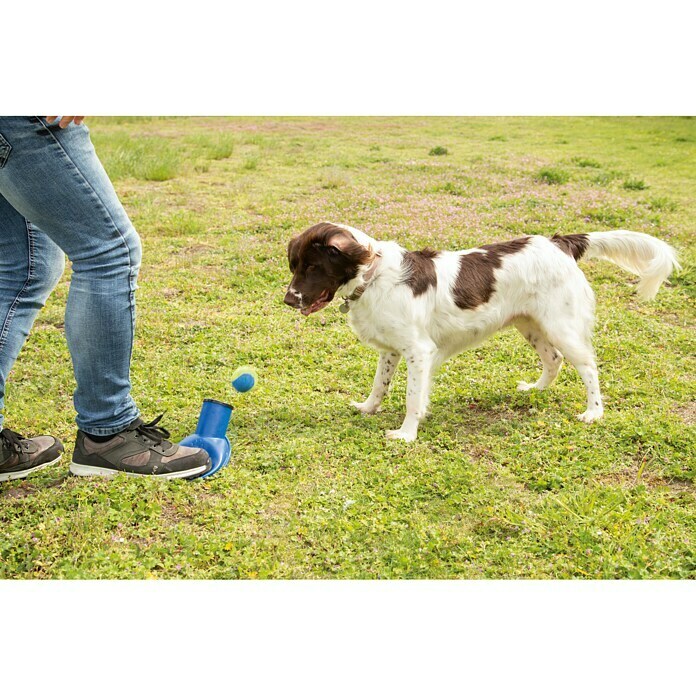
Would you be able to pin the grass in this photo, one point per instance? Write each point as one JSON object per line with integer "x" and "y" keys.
{"x": 634, "y": 185}
{"x": 500, "y": 484}
{"x": 553, "y": 175}
{"x": 334, "y": 177}
{"x": 662, "y": 203}
{"x": 586, "y": 162}
{"x": 145, "y": 158}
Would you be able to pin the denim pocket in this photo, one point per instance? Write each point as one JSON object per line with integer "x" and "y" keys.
{"x": 5, "y": 149}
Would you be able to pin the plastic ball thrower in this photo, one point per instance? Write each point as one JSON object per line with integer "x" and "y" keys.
{"x": 214, "y": 420}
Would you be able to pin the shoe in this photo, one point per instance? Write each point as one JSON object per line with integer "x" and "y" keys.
{"x": 142, "y": 449}
{"x": 21, "y": 456}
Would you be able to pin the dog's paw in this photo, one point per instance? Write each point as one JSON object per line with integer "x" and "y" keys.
{"x": 400, "y": 435}
{"x": 365, "y": 407}
{"x": 590, "y": 416}
{"x": 525, "y": 386}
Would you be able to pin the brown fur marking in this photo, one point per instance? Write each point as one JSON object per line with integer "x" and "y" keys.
{"x": 574, "y": 245}
{"x": 476, "y": 278}
{"x": 420, "y": 270}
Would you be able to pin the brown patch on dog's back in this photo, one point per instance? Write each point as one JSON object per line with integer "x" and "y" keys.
{"x": 574, "y": 245}
{"x": 476, "y": 278}
{"x": 419, "y": 268}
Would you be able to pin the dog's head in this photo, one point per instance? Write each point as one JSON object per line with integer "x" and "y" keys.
{"x": 322, "y": 259}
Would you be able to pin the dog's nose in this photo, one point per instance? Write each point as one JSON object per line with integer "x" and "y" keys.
{"x": 292, "y": 299}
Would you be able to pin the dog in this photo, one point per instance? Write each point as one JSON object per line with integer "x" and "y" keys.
{"x": 426, "y": 306}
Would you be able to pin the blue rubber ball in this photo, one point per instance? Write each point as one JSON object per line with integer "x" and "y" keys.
{"x": 244, "y": 379}
{"x": 243, "y": 383}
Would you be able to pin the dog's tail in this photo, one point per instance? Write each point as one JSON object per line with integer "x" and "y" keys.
{"x": 648, "y": 257}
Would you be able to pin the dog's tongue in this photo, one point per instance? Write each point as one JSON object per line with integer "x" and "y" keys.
{"x": 318, "y": 304}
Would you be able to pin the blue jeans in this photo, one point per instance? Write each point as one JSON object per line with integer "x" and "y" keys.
{"x": 56, "y": 199}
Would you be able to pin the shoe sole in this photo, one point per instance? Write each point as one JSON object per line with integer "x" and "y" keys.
{"x": 89, "y": 470}
{"x": 14, "y": 475}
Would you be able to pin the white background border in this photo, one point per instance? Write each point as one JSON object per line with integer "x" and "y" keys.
{"x": 348, "y": 637}
{"x": 372, "y": 57}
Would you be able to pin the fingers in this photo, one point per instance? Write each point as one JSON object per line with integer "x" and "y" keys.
{"x": 65, "y": 121}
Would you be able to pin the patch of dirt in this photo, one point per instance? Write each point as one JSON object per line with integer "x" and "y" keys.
{"x": 277, "y": 509}
{"x": 628, "y": 478}
{"x": 198, "y": 249}
{"x": 19, "y": 492}
{"x": 687, "y": 413}
{"x": 26, "y": 489}
{"x": 42, "y": 325}
{"x": 173, "y": 516}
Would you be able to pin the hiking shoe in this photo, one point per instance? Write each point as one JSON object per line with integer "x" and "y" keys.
{"x": 21, "y": 456}
{"x": 142, "y": 449}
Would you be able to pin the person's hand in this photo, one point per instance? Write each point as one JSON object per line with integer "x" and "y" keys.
{"x": 66, "y": 120}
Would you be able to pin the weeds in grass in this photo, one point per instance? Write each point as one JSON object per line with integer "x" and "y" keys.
{"x": 662, "y": 203}
{"x": 182, "y": 222}
{"x": 634, "y": 185}
{"x": 334, "y": 178}
{"x": 586, "y": 162}
{"x": 604, "y": 215}
{"x": 553, "y": 175}
{"x": 438, "y": 151}
{"x": 450, "y": 188}
{"x": 145, "y": 158}
{"x": 213, "y": 146}
{"x": 604, "y": 178}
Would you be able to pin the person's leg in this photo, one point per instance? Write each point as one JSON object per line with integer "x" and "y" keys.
{"x": 54, "y": 178}
{"x": 30, "y": 266}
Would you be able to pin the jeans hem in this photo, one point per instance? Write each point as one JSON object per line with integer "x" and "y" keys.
{"x": 112, "y": 430}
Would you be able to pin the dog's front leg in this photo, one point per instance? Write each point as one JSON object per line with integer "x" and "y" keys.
{"x": 385, "y": 371}
{"x": 419, "y": 365}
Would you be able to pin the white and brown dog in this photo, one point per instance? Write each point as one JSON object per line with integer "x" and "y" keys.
{"x": 427, "y": 306}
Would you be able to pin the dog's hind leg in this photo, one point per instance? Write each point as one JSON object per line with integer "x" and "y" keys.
{"x": 419, "y": 361}
{"x": 579, "y": 352}
{"x": 386, "y": 367}
{"x": 551, "y": 358}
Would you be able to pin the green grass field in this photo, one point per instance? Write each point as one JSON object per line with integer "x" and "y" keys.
{"x": 500, "y": 484}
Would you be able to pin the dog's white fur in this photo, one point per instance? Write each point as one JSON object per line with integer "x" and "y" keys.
{"x": 540, "y": 290}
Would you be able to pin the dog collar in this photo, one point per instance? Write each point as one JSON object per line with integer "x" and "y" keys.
{"x": 358, "y": 292}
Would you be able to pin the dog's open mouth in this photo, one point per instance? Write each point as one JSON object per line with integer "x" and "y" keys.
{"x": 321, "y": 302}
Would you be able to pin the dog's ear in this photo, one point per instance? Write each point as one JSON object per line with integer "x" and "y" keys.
{"x": 341, "y": 243}
{"x": 331, "y": 249}
{"x": 345, "y": 244}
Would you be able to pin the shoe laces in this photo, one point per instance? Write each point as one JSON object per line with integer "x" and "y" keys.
{"x": 152, "y": 431}
{"x": 12, "y": 440}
